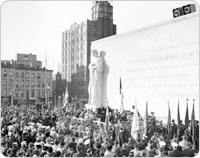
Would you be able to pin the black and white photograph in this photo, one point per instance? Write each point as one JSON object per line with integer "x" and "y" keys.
{"x": 99, "y": 78}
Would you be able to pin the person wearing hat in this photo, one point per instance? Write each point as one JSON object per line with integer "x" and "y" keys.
{"x": 80, "y": 151}
{"x": 108, "y": 152}
{"x": 174, "y": 128}
{"x": 150, "y": 150}
{"x": 185, "y": 144}
{"x": 14, "y": 149}
{"x": 30, "y": 150}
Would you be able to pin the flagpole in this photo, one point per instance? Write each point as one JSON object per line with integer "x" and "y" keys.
{"x": 146, "y": 119}
{"x": 193, "y": 127}
{"x": 135, "y": 123}
{"x": 169, "y": 122}
{"x": 186, "y": 115}
{"x": 122, "y": 96}
{"x": 107, "y": 118}
{"x": 178, "y": 121}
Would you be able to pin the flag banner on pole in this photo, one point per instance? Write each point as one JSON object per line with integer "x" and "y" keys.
{"x": 178, "y": 120}
{"x": 66, "y": 97}
{"x": 186, "y": 115}
{"x": 107, "y": 119}
{"x": 193, "y": 126}
{"x": 135, "y": 124}
{"x": 169, "y": 126}
{"x": 121, "y": 94}
{"x": 146, "y": 120}
{"x": 117, "y": 129}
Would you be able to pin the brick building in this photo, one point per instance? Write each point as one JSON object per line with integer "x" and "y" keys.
{"x": 25, "y": 79}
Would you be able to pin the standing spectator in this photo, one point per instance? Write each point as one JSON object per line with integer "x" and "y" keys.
{"x": 108, "y": 152}
{"x": 174, "y": 128}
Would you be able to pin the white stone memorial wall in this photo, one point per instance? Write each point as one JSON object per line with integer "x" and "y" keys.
{"x": 159, "y": 63}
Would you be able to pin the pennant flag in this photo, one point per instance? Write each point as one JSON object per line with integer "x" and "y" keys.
{"x": 169, "y": 126}
{"x": 146, "y": 120}
{"x": 66, "y": 98}
{"x": 117, "y": 129}
{"x": 135, "y": 124}
{"x": 193, "y": 126}
{"x": 121, "y": 94}
{"x": 186, "y": 115}
{"x": 107, "y": 119}
{"x": 178, "y": 120}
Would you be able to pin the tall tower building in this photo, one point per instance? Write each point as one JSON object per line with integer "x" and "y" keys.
{"x": 76, "y": 42}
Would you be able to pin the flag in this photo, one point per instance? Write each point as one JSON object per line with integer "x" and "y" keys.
{"x": 169, "y": 126}
{"x": 107, "y": 119}
{"x": 66, "y": 98}
{"x": 186, "y": 116}
{"x": 117, "y": 128}
{"x": 193, "y": 126}
{"x": 146, "y": 120}
{"x": 135, "y": 124}
{"x": 121, "y": 94}
{"x": 178, "y": 120}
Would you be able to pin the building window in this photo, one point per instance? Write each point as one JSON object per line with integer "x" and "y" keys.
{"x": 32, "y": 93}
{"x": 16, "y": 74}
{"x": 22, "y": 83}
{"x": 27, "y": 83}
{"x": 5, "y": 92}
{"x": 22, "y": 75}
{"x": 43, "y": 92}
{"x": 32, "y": 83}
{"x": 10, "y": 82}
{"x": 33, "y": 75}
{"x": 38, "y": 83}
{"x": 22, "y": 93}
{"x": 38, "y": 76}
{"x": 5, "y": 82}
{"x": 5, "y": 73}
{"x": 48, "y": 84}
{"x": 16, "y": 94}
{"x": 11, "y": 73}
{"x": 48, "y": 76}
{"x": 10, "y": 91}
{"x": 27, "y": 75}
{"x": 38, "y": 93}
{"x": 27, "y": 93}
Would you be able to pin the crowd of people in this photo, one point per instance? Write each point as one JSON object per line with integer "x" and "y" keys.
{"x": 80, "y": 132}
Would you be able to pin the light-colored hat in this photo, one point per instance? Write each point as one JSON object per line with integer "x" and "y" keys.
{"x": 80, "y": 140}
{"x": 162, "y": 143}
{"x": 174, "y": 144}
{"x": 87, "y": 142}
{"x": 53, "y": 129}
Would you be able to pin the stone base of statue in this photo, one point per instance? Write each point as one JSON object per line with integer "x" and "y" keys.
{"x": 89, "y": 106}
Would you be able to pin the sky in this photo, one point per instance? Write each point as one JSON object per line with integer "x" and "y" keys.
{"x": 36, "y": 26}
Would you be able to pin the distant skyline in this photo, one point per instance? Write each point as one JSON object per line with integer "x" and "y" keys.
{"x": 37, "y": 26}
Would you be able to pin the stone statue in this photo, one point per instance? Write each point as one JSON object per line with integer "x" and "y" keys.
{"x": 104, "y": 99}
{"x": 91, "y": 86}
{"x": 98, "y": 80}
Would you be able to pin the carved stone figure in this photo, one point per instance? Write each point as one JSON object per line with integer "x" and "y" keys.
{"x": 98, "y": 80}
